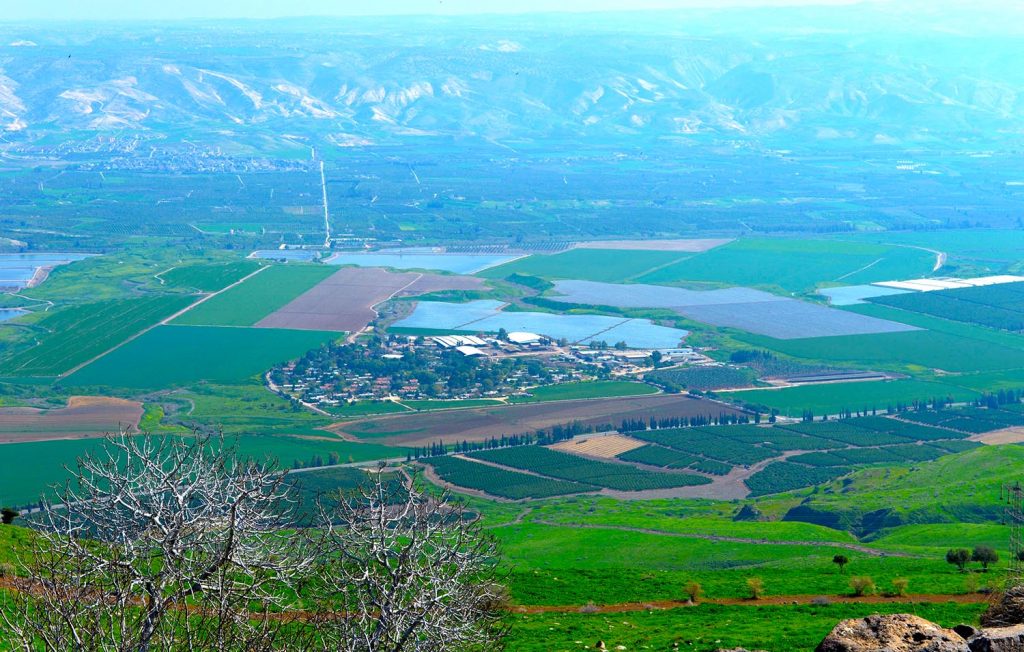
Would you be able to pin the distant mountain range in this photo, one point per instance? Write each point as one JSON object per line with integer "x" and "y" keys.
{"x": 803, "y": 79}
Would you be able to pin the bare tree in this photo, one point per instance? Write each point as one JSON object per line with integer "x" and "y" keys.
{"x": 406, "y": 571}
{"x": 161, "y": 543}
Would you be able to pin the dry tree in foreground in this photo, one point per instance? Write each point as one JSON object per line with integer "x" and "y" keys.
{"x": 172, "y": 543}
{"x": 405, "y": 570}
{"x": 161, "y": 543}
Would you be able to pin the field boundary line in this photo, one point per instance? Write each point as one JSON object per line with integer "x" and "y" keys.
{"x": 857, "y": 271}
{"x": 162, "y": 322}
{"x": 352, "y": 336}
{"x": 873, "y": 552}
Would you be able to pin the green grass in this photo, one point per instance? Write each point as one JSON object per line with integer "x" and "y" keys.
{"x": 711, "y": 627}
{"x": 209, "y": 277}
{"x": 78, "y": 333}
{"x": 832, "y": 398}
{"x": 246, "y": 304}
{"x": 795, "y": 265}
{"x": 573, "y": 566}
{"x": 592, "y": 389}
{"x": 173, "y": 356}
{"x": 961, "y": 488}
{"x": 606, "y": 265}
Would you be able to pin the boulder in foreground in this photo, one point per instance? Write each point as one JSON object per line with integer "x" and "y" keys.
{"x": 892, "y": 633}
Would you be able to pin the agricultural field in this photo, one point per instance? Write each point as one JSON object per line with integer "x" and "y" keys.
{"x": 604, "y": 265}
{"x": 479, "y": 424}
{"x": 456, "y": 263}
{"x": 702, "y": 378}
{"x": 795, "y": 265}
{"x": 344, "y": 300}
{"x": 995, "y": 306}
{"x": 610, "y": 475}
{"x": 591, "y": 389}
{"x": 754, "y": 311}
{"x": 914, "y": 351}
{"x": 175, "y": 356}
{"x": 76, "y": 334}
{"x": 653, "y": 455}
{"x": 604, "y": 446}
{"x": 500, "y": 482}
{"x": 257, "y": 297}
{"x": 207, "y": 277}
{"x": 82, "y": 417}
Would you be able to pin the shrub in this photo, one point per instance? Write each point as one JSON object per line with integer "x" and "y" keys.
{"x": 971, "y": 584}
{"x": 589, "y": 608}
{"x": 694, "y": 591}
{"x": 6, "y": 569}
{"x": 8, "y": 514}
{"x": 756, "y": 586}
{"x": 899, "y": 586}
{"x": 862, "y": 585}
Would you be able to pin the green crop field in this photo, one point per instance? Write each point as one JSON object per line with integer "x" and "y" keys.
{"x": 658, "y": 456}
{"x": 608, "y": 265}
{"x": 500, "y": 482}
{"x": 77, "y": 333}
{"x": 593, "y": 389}
{"x": 209, "y": 277}
{"x": 794, "y": 265}
{"x": 835, "y": 397}
{"x": 908, "y": 351}
{"x": 246, "y": 304}
{"x": 556, "y": 464}
{"x": 171, "y": 356}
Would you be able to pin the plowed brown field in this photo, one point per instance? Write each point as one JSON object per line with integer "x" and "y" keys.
{"x": 83, "y": 417}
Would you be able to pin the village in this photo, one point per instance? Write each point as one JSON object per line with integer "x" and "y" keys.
{"x": 398, "y": 367}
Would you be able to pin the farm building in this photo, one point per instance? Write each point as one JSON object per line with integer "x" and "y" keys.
{"x": 469, "y": 351}
{"x": 522, "y": 337}
{"x": 455, "y": 341}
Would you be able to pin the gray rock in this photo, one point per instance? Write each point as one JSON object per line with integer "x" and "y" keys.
{"x": 998, "y": 639}
{"x": 891, "y": 633}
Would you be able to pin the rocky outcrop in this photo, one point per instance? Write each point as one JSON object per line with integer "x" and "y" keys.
{"x": 998, "y": 639}
{"x": 1007, "y": 610}
{"x": 907, "y": 633}
{"x": 891, "y": 633}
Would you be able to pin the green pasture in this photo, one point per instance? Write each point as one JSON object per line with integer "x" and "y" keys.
{"x": 257, "y": 297}
{"x": 562, "y": 565}
{"x": 990, "y": 249}
{"x": 710, "y": 627}
{"x": 174, "y": 356}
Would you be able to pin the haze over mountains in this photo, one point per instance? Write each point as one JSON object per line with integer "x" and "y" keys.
{"x": 796, "y": 78}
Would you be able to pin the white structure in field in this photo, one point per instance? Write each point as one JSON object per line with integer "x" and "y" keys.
{"x": 455, "y": 341}
{"x": 469, "y": 351}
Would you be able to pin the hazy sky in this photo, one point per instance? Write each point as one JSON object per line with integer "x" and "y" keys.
{"x": 176, "y": 9}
